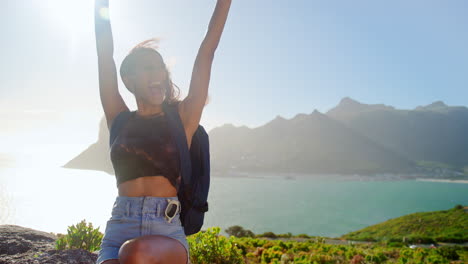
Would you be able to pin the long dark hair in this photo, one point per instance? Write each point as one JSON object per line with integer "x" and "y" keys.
{"x": 128, "y": 66}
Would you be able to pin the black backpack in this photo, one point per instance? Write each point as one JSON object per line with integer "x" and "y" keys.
{"x": 195, "y": 170}
{"x": 195, "y": 167}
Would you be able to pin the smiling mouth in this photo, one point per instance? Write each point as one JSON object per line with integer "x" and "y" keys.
{"x": 155, "y": 89}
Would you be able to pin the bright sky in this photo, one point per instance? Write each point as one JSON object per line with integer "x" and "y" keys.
{"x": 275, "y": 58}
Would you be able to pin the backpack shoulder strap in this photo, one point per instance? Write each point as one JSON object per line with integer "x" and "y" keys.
{"x": 201, "y": 148}
{"x": 177, "y": 128}
{"x": 205, "y": 146}
{"x": 117, "y": 125}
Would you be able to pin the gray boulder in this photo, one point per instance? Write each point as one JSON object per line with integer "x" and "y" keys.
{"x": 28, "y": 246}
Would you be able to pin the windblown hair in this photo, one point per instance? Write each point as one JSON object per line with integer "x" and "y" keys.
{"x": 131, "y": 60}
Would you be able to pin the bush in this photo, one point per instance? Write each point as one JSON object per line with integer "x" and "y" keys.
{"x": 287, "y": 235}
{"x": 239, "y": 231}
{"x": 268, "y": 234}
{"x": 357, "y": 259}
{"x": 208, "y": 247}
{"x": 396, "y": 244}
{"x": 81, "y": 236}
{"x": 449, "y": 252}
{"x": 271, "y": 254}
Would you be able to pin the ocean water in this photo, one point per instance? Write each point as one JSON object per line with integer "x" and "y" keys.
{"x": 51, "y": 198}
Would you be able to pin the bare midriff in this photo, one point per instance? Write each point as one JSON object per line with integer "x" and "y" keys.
{"x": 157, "y": 186}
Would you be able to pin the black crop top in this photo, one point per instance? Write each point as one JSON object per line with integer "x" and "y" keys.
{"x": 144, "y": 146}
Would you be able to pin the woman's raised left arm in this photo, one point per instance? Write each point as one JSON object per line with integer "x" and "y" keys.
{"x": 191, "y": 107}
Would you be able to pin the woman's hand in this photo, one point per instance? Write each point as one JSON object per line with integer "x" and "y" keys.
{"x": 192, "y": 106}
{"x": 111, "y": 99}
{"x": 216, "y": 27}
{"x": 103, "y": 30}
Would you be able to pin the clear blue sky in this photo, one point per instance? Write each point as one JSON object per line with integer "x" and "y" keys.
{"x": 275, "y": 57}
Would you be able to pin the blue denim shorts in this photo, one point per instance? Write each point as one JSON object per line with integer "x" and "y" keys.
{"x": 139, "y": 216}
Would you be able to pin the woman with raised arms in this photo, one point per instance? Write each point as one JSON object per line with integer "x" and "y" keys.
{"x": 145, "y": 225}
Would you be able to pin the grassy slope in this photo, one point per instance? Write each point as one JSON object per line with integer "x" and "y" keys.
{"x": 442, "y": 226}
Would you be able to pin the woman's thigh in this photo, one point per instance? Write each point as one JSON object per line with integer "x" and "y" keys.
{"x": 142, "y": 220}
{"x": 157, "y": 248}
{"x": 118, "y": 230}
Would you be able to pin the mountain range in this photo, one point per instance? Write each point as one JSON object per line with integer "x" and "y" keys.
{"x": 352, "y": 138}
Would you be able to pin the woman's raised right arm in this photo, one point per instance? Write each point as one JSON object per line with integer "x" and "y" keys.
{"x": 111, "y": 99}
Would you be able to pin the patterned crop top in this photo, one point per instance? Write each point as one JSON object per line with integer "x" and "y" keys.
{"x": 144, "y": 146}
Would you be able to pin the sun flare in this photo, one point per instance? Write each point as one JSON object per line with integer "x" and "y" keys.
{"x": 70, "y": 15}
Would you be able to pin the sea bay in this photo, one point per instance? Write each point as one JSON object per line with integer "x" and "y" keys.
{"x": 52, "y": 198}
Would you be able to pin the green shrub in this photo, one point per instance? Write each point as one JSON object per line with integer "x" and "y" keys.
{"x": 379, "y": 257}
{"x": 239, "y": 231}
{"x": 436, "y": 259}
{"x": 241, "y": 244}
{"x": 315, "y": 251}
{"x": 283, "y": 245}
{"x": 271, "y": 254}
{"x": 208, "y": 247}
{"x": 449, "y": 252}
{"x": 269, "y": 244}
{"x": 287, "y": 235}
{"x": 396, "y": 244}
{"x": 319, "y": 240}
{"x": 267, "y": 234}
{"x": 81, "y": 236}
{"x": 304, "y": 247}
{"x": 255, "y": 242}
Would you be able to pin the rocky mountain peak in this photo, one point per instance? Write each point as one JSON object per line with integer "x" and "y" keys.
{"x": 435, "y": 105}
{"x": 348, "y": 108}
{"x": 316, "y": 112}
{"x": 348, "y": 101}
{"x": 279, "y": 118}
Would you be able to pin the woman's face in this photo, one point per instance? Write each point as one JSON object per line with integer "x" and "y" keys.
{"x": 151, "y": 78}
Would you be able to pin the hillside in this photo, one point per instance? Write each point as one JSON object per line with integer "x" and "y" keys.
{"x": 352, "y": 138}
{"x": 96, "y": 156}
{"x": 313, "y": 143}
{"x": 437, "y": 226}
{"x": 429, "y": 135}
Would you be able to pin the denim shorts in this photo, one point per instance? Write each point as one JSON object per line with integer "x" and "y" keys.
{"x": 139, "y": 216}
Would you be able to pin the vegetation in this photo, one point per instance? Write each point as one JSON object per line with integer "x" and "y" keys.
{"x": 263, "y": 251}
{"x": 81, "y": 236}
{"x": 208, "y": 247}
{"x": 279, "y": 249}
{"x": 239, "y": 231}
{"x": 392, "y": 238}
{"x": 426, "y": 227}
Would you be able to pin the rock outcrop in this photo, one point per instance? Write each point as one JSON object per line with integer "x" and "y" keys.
{"x": 28, "y": 246}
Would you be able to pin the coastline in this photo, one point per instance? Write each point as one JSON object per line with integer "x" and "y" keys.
{"x": 336, "y": 177}
{"x": 442, "y": 180}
